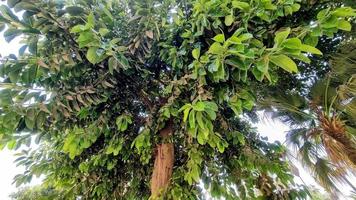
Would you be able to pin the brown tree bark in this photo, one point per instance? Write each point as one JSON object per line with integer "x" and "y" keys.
{"x": 163, "y": 166}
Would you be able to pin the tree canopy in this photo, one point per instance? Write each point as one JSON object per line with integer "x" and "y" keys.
{"x": 155, "y": 99}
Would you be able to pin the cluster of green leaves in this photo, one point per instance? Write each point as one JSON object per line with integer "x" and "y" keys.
{"x": 201, "y": 114}
{"x": 78, "y": 139}
{"x": 97, "y": 80}
{"x": 142, "y": 143}
{"x": 98, "y": 46}
{"x": 37, "y": 192}
{"x": 240, "y": 101}
{"x": 329, "y": 21}
{"x": 194, "y": 166}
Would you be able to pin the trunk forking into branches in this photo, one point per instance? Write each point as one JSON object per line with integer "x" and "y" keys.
{"x": 163, "y": 166}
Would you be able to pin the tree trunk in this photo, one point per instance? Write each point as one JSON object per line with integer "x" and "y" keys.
{"x": 163, "y": 166}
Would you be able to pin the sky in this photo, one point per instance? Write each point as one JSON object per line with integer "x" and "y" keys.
{"x": 274, "y": 130}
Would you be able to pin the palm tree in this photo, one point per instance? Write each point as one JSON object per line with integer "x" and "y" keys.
{"x": 323, "y": 122}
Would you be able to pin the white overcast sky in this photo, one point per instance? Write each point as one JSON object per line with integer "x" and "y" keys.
{"x": 274, "y": 130}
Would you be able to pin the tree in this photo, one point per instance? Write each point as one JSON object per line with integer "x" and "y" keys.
{"x": 131, "y": 100}
{"x": 35, "y": 193}
{"x": 323, "y": 121}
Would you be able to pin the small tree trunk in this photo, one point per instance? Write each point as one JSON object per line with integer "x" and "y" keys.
{"x": 163, "y": 166}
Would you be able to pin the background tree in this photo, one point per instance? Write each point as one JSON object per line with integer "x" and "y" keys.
{"x": 35, "y": 193}
{"x": 129, "y": 100}
{"x": 323, "y": 128}
{"x": 322, "y": 114}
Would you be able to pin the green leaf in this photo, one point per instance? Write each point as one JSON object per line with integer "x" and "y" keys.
{"x": 103, "y": 31}
{"x": 331, "y": 22}
{"x": 293, "y": 43}
{"x": 8, "y": 14}
{"x": 31, "y": 114}
{"x": 236, "y": 106}
{"x": 200, "y": 121}
{"x": 302, "y": 57}
{"x": 195, "y": 173}
{"x": 245, "y": 36}
{"x": 216, "y": 48}
{"x": 77, "y": 28}
{"x": 211, "y": 105}
{"x": 108, "y": 13}
{"x": 241, "y": 5}
{"x": 211, "y": 114}
{"x": 166, "y": 113}
{"x": 221, "y": 147}
{"x": 91, "y": 20}
{"x": 30, "y": 123}
{"x": 2, "y": 26}
{"x": 11, "y": 144}
{"x": 199, "y": 106}
{"x": 112, "y": 64}
{"x": 40, "y": 119}
{"x": 119, "y": 122}
{"x": 281, "y": 36}
{"x": 11, "y": 33}
{"x": 295, "y": 7}
{"x": 12, "y": 3}
{"x": 284, "y": 62}
{"x": 196, "y": 53}
{"x": 240, "y": 137}
{"x": 139, "y": 140}
{"x": 344, "y": 12}
{"x": 311, "y": 40}
{"x": 123, "y": 125}
{"x": 322, "y": 14}
{"x": 14, "y": 76}
{"x": 186, "y": 113}
{"x": 229, "y": 19}
{"x": 288, "y": 10}
{"x": 185, "y": 107}
{"x": 201, "y": 137}
{"x": 248, "y": 104}
{"x": 123, "y": 62}
{"x": 310, "y": 49}
{"x": 219, "y": 38}
{"x": 95, "y": 55}
{"x": 214, "y": 66}
{"x": 83, "y": 167}
{"x": 192, "y": 119}
{"x": 236, "y": 62}
{"x": 344, "y": 25}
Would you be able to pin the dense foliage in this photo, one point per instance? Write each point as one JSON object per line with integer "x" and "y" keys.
{"x": 37, "y": 192}
{"x": 107, "y": 87}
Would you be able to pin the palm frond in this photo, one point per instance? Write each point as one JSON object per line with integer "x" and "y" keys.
{"x": 324, "y": 122}
{"x": 322, "y": 171}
